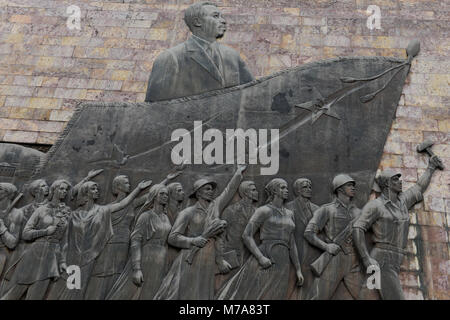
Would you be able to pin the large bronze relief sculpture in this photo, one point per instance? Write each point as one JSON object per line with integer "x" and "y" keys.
{"x": 213, "y": 127}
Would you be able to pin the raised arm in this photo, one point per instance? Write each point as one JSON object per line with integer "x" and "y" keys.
{"x": 425, "y": 178}
{"x": 228, "y": 193}
{"x": 172, "y": 175}
{"x": 91, "y": 174}
{"x": 126, "y": 201}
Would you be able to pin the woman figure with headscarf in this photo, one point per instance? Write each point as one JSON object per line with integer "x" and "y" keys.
{"x": 148, "y": 263}
{"x": 265, "y": 275}
{"x": 43, "y": 260}
{"x": 89, "y": 229}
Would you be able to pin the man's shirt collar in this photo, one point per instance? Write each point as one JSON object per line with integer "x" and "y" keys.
{"x": 205, "y": 44}
{"x": 338, "y": 202}
{"x": 385, "y": 200}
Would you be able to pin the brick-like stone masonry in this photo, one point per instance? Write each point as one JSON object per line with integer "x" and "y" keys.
{"x": 46, "y": 69}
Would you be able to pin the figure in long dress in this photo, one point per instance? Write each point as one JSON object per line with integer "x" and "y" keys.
{"x": 39, "y": 191}
{"x": 10, "y": 222}
{"x": 191, "y": 276}
{"x": 265, "y": 275}
{"x": 174, "y": 207}
{"x": 43, "y": 261}
{"x": 148, "y": 263}
{"x": 113, "y": 258}
{"x": 90, "y": 228}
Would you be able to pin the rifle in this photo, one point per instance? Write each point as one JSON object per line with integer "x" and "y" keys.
{"x": 13, "y": 203}
{"x": 318, "y": 266}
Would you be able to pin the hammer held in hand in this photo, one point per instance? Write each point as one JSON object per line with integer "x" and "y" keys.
{"x": 426, "y": 147}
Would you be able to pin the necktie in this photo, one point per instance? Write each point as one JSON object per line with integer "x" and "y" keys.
{"x": 214, "y": 54}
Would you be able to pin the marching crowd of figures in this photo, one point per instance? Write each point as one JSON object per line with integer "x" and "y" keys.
{"x": 150, "y": 247}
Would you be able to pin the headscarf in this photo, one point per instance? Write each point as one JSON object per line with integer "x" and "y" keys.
{"x": 82, "y": 192}
{"x": 151, "y": 196}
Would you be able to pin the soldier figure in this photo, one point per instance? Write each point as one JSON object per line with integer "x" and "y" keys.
{"x": 303, "y": 210}
{"x": 339, "y": 261}
{"x": 388, "y": 217}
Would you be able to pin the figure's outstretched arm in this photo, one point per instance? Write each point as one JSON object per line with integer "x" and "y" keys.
{"x": 126, "y": 201}
{"x": 425, "y": 178}
{"x": 228, "y": 193}
{"x": 76, "y": 188}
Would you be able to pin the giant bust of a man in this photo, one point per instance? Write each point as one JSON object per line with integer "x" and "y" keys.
{"x": 199, "y": 64}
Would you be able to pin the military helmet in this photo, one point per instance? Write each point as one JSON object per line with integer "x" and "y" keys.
{"x": 340, "y": 180}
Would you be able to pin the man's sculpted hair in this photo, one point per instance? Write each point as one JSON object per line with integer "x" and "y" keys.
{"x": 299, "y": 183}
{"x": 172, "y": 187}
{"x": 195, "y": 11}
{"x": 244, "y": 187}
{"x": 34, "y": 186}
{"x": 116, "y": 183}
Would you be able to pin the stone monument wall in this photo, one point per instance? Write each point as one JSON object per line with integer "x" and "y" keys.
{"x": 47, "y": 69}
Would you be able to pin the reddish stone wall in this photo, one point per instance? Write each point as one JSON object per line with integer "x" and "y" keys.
{"x": 46, "y": 69}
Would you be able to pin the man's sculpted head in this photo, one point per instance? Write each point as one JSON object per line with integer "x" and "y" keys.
{"x": 303, "y": 188}
{"x": 176, "y": 191}
{"x": 247, "y": 189}
{"x": 205, "y": 20}
{"x": 121, "y": 184}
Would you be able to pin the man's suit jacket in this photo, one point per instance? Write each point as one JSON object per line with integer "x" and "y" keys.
{"x": 187, "y": 69}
